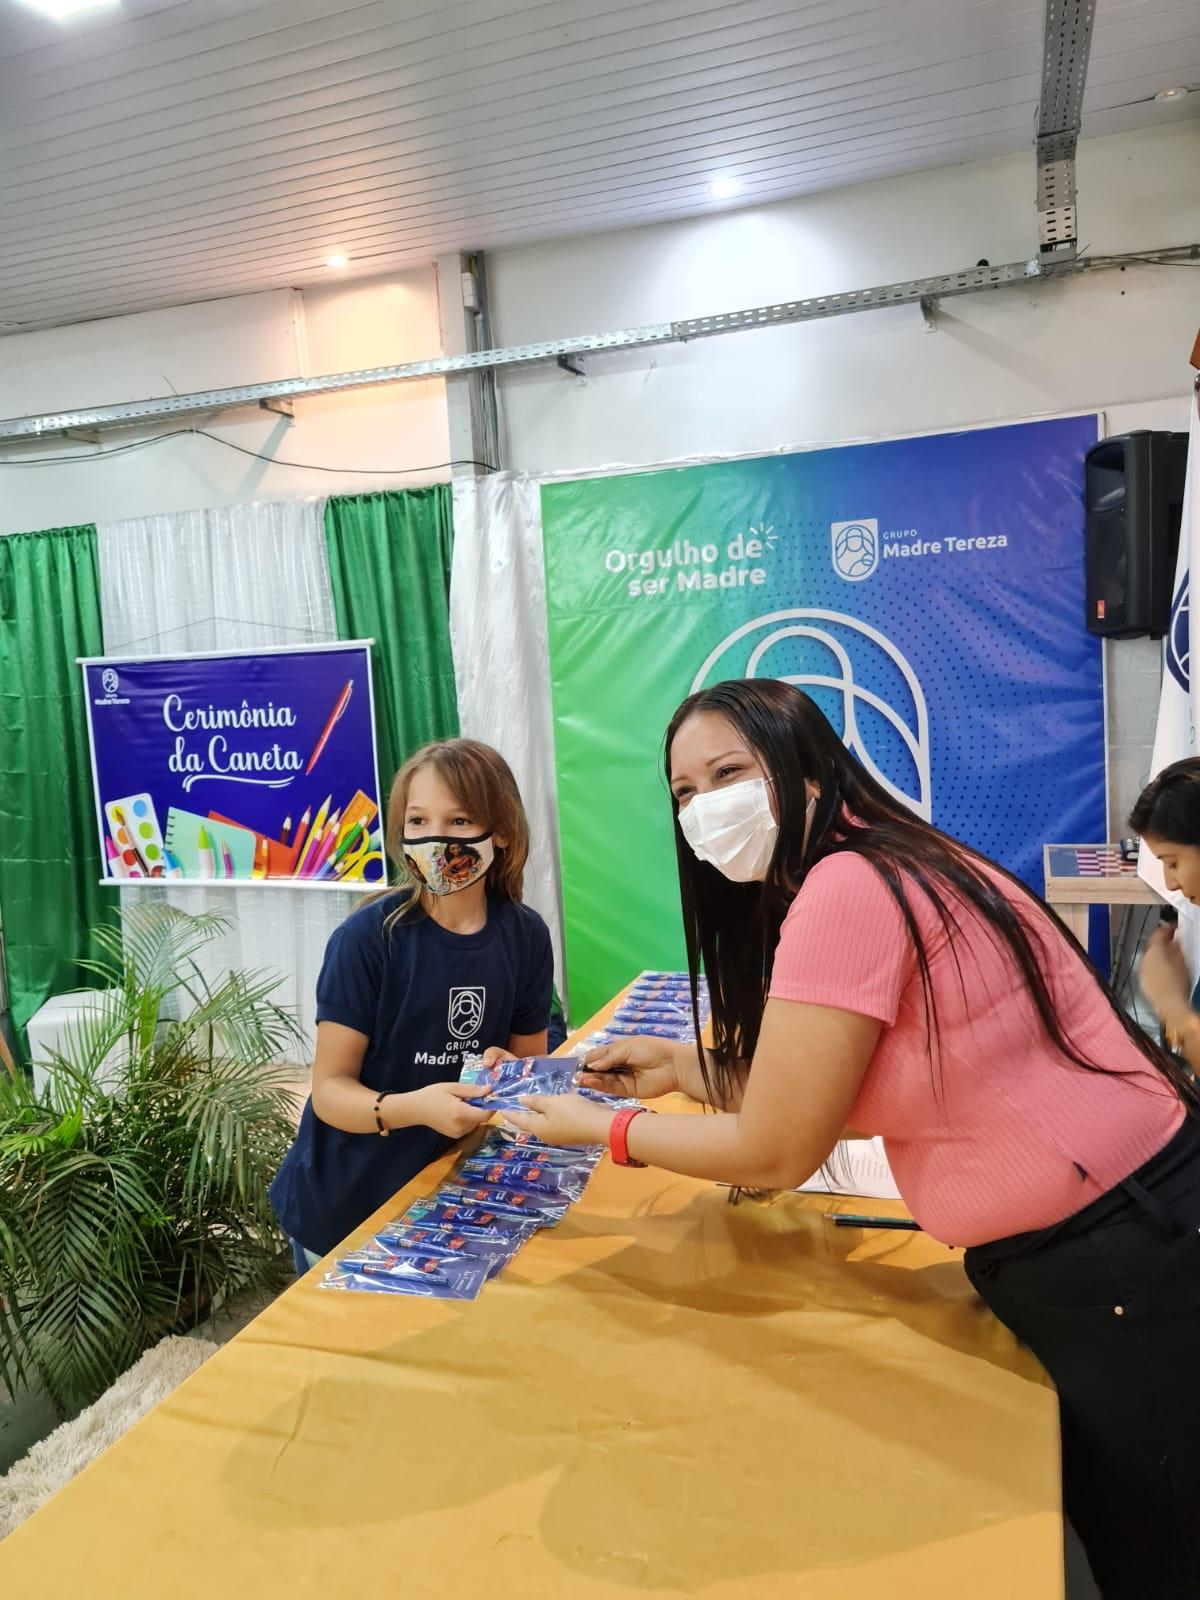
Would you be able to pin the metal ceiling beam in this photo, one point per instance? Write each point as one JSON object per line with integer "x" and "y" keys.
{"x": 173, "y": 408}
{"x": 1067, "y": 41}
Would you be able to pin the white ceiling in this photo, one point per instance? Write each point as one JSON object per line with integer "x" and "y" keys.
{"x": 176, "y": 150}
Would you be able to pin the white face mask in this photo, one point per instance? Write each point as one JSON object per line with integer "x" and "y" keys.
{"x": 733, "y": 829}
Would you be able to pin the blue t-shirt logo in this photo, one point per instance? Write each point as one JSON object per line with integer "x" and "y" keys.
{"x": 466, "y": 1011}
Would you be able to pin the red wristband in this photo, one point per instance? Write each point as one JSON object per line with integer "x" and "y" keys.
{"x": 618, "y": 1133}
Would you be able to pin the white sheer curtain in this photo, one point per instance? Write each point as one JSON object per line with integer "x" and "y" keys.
{"x": 231, "y": 579}
{"x": 502, "y": 662}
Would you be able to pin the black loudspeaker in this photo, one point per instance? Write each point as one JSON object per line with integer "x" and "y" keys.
{"x": 1133, "y": 493}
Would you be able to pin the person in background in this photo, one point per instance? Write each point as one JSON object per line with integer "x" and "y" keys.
{"x": 1167, "y": 820}
{"x": 449, "y": 963}
{"x": 868, "y": 971}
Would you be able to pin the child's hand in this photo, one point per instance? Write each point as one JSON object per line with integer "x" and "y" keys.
{"x": 566, "y": 1119}
{"x": 443, "y": 1107}
{"x": 494, "y": 1053}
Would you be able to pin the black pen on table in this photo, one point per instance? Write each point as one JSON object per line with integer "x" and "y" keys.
{"x": 846, "y": 1219}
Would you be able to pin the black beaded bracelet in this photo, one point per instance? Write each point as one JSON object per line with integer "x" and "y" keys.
{"x": 379, "y": 1099}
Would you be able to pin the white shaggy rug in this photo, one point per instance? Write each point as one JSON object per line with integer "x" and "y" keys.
{"x": 66, "y": 1451}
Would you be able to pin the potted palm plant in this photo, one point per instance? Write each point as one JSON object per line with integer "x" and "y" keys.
{"x": 133, "y": 1184}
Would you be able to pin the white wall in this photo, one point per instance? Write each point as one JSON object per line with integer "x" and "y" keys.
{"x": 221, "y": 344}
{"x": 1116, "y": 342}
{"x": 1103, "y": 341}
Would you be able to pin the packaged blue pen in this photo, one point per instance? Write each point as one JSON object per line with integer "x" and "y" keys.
{"x": 524, "y": 1204}
{"x": 510, "y": 1174}
{"x": 503, "y": 1083}
{"x": 523, "y": 1176}
{"x": 551, "y": 1155}
{"x": 510, "y": 1144}
{"x": 398, "y": 1243}
{"x": 442, "y": 1279}
{"x": 472, "y": 1220}
{"x": 403, "y": 1237}
{"x": 650, "y": 1030}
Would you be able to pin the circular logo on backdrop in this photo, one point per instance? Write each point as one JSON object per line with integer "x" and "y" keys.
{"x": 1179, "y": 637}
{"x": 109, "y": 681}
{"x": 855, "y": 548}
{"x": 856, "y": 674}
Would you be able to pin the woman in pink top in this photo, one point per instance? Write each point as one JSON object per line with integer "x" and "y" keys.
{"x": 869, "y": 973}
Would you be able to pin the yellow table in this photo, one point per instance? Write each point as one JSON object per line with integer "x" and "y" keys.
{"x": 664, "y": 1396}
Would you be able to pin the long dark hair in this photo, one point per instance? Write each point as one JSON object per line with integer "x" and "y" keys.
{"x": 1169, "y": 807}
{"x": 732, "y": 929}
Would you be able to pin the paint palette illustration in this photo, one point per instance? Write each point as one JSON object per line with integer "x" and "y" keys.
{"x": 134, "y": 830}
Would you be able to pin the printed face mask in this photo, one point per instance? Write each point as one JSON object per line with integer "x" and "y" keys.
{"x": 445, "y": 865}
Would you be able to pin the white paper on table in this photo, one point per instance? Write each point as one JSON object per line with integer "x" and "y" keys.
{"x": 858, "y": 1167}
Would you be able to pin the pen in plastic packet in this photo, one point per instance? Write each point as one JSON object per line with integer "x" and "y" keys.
{"x": 463, "y": 1281}
{"x": 653, "y": 1014}
{"x": 468, "y": 1219}
{"x": 512, "y": 1144}
{"x": 523, "y": 1204}
{"x": 398, "y": 1244}
{"x": 650, "y": 1030}
{"x": 518, "y": 1175}
{"x": 842, "y": 1219}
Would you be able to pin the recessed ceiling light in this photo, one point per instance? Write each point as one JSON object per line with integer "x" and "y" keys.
{"x": 337, "y": 262}
{"x": 64, "y": 10}
{"x": 724, "y": 188}
{"x": 1171, "y": 94}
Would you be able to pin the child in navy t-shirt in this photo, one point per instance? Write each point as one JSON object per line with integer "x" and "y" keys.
{"x": 449, "y": 964}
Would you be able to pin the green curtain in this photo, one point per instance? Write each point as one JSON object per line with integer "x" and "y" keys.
{"x": 50, "y": 867}
{"x": 389, "y": 563}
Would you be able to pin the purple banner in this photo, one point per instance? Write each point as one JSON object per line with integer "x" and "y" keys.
{"x": 248, "y": 766}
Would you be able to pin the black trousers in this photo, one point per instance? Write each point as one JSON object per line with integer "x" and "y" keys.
{"x": 1110, "y": 1305}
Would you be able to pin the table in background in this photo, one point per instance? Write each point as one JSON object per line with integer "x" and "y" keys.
{"x": 1080, "y": 876}
{"x": 664, "y": 1396}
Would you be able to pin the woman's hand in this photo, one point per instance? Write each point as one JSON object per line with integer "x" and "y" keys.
{"x": 1164, "y": 977}
{"x": 641, "y": 1069}
{"x": 441, "y": 1106}
{"x": 562, "y": 1119}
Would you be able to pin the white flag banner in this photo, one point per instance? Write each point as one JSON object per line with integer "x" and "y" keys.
{"x": 1179, "y": 700}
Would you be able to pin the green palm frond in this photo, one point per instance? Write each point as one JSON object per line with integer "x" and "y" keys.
{"x": 133, "y": 1187}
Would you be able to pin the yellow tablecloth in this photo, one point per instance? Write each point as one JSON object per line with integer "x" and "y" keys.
{"x": 664, "y": 1396}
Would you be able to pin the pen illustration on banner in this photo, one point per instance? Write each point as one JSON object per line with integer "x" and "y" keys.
{"x": 343, "y": 700}
{"x": 206, "y": 861}
{"x": 174, "y": 870}
{"x": 321, "y": 853}
{"x": 226, "y": 861}
{"x": 302, "y": 836}
{"x": 260, "y": 860}
{"x": 340, "y": 850}
{"x": 313, "y": 837}
{"x": 287, "y": 831}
